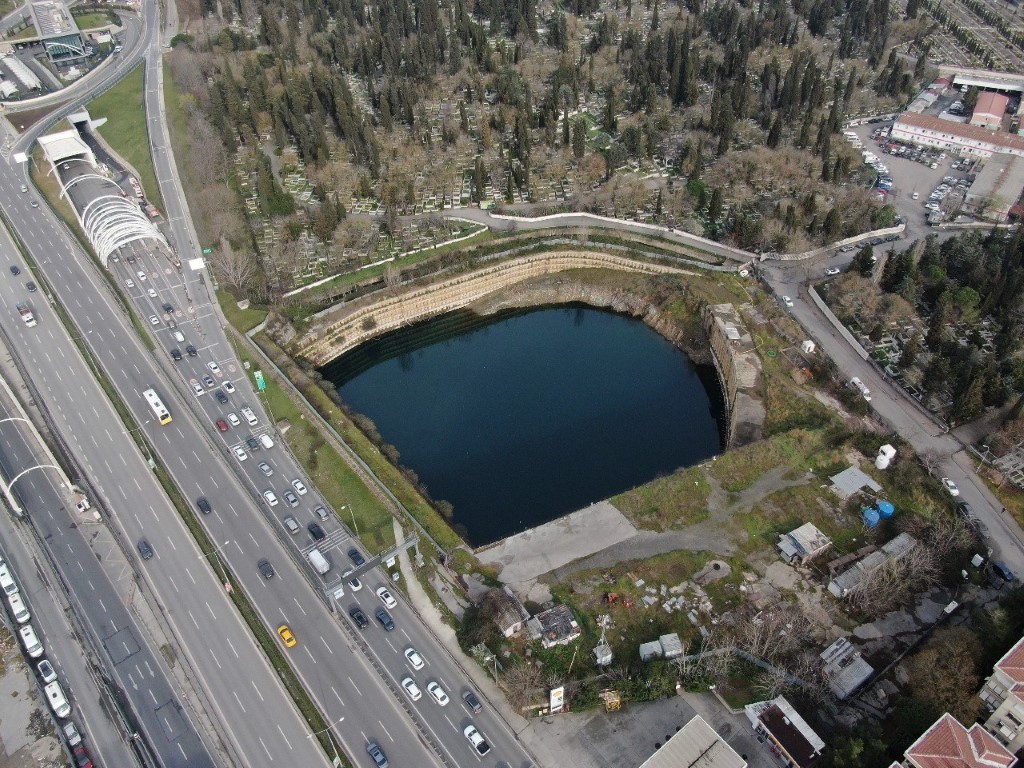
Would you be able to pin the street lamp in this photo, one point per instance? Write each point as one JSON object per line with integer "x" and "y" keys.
{"x": 985, "y": 454}
{"x": 223, "y": 572}
{"x": 334, "y": 747}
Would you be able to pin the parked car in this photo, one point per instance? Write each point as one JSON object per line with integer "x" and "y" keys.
{"x": 950, "y": 486}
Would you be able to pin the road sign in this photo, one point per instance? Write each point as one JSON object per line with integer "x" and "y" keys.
{"x": 207, "y": 250}
{"x": 260, "y": 381}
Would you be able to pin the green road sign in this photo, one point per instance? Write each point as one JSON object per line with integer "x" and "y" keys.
{"x": 260, "y": 381}
{"x": 207, "y": 250}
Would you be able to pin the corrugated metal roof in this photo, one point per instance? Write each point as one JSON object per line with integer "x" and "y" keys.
{"x": 695, "y": 745}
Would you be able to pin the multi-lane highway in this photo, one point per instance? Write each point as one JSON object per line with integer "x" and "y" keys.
{"x": 338, "y": 670}
{"x": 43, "y": 493}
{"x": 238, "y": 684}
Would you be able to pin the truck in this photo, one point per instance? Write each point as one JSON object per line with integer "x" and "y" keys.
{"x": 318, "y": 561}
{"x": 26, "y": 314}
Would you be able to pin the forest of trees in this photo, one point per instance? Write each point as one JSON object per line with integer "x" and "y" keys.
{"x": 693, "y": 83}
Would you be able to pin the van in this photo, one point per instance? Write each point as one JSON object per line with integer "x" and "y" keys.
{"x": 30, "y": 640}
{"x": 249, "y": 415}
{"x": 7, "y": 582}
{"x": 291, "y": 524}
{"x": 319, "y": 562}
{"x": 18, "y": 608}
{"x": 179, "y": 337}
{"x": 859, "y": 385}
{"x": 58, "y": 701}
{"x": 267, "y": 441}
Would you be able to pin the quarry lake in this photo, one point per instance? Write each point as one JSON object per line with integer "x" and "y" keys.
{"x": 519, "y": 418}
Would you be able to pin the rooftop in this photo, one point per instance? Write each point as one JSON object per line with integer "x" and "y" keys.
{"x": 553, "y": 626}
{"x": 851, "y": 480}
{"x": 789, "y": 729}
{"x": 696, "y": 744}
{"x": 1012, "y": 665}
{"x": 991, "y": 103}
{"x": 52, "y": 19}
{"x": 948, "y": 744}
{"x": 969, "y": 132}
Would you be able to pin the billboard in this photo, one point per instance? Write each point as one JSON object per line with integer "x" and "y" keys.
{"x": 557, "y": 699}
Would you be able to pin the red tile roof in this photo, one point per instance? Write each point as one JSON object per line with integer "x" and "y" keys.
{"x": 971, "y": 132}
{"x": 1012, "y": 665}
{"x": 948, "y": 744}
{"x": 991, "y": 103}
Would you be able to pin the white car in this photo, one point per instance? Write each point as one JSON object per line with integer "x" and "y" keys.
{"x": 476, "y": 739}
{"x": 129, "y": 283}
{"x": 151, "y": 292}
{"x": 46, "y": 671}
{"x": 233, "y": 419}
{"x": 411, "y": 688}
{"x": 832, "y": 271}
{"x": 241, "y": 454}
{"x": 951, "y": 487}
{"x": 141, "y": 275}
{"x": 386, "y": 597}
{"x": 434, "y": 689}
{"x": 915, "y": 195}
{"x": 197, "y": 387}
{"x": 270, "y": 496}
{"x": 213, "y": 366}
{"x": 154, "y": 320}
{"x": 229, "y": 387}
{"x": 414, "y": 658}
{"x": 299, "y": 487}
{"x": 787, "y": 301}
{"x": 354, "y": 583}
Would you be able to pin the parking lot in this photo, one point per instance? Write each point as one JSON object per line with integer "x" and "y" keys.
{"x": 911, "y": 176}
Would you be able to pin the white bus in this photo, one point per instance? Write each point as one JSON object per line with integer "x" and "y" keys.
{"x": 157, "y": 405}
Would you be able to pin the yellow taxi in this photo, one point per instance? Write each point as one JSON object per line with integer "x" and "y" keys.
{"x": 287, "y": 637}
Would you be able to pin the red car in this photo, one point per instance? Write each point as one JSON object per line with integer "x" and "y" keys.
{"x": 82, "y": 759}
{"x": 222, "y": 425}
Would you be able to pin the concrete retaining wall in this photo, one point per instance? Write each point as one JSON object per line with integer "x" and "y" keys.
{"x": 350, "y": 325}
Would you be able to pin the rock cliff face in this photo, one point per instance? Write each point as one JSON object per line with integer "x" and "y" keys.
{"x": 562, "y": 289}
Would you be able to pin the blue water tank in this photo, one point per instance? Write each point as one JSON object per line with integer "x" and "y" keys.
{"x": 870, "y": 516}
{"x": 886, "y": 509}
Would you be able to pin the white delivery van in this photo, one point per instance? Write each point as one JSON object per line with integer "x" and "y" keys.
{"x": 250, "y": 415}
{"x": 859, "y": 385}
{"x": 33, "y": 647}
{"x": 58, "y": 701}
{"x": 267, "y": 441}
{"x": 318, "y": 561}
{"x": 18, "y": 608}
{"x": 7, "y": 582}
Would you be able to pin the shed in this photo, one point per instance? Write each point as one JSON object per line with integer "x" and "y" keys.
{"x": 671, "y": 646}
{"x": 651, "y": 650}
{"x": 803, "y": 544}
{"x": 555, "y": 626}
{"x": 851, "y": 480}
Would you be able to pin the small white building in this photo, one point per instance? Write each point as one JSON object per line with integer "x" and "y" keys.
{"x": 803, "y": 544}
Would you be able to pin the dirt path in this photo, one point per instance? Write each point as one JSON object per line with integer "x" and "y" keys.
{"x": 716, "y": 534}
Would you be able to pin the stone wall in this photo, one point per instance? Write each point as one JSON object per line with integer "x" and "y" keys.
{"x": 739, "y": 370}
{"x": 349, "y": 325}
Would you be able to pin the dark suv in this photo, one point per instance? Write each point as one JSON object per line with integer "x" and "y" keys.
{"x": 204, "y": 505}
{"x": 385, "y": 619}
{"x": 316, "y": 532}
{"x": 359, "y": 617}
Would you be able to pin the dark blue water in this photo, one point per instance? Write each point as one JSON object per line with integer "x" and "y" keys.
{"x": 519, "y": 419}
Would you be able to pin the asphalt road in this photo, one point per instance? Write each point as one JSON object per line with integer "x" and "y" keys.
{"x": 138, "y": 669}
{"x": 245, "y": 693}
{"x": 43, "y": 497}
{"x": 905, "y": 416}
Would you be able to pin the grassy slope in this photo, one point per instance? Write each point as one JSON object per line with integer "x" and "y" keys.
{"x": 125, "y": 130}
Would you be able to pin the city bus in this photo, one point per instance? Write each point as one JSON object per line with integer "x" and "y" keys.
{"x": 157, "y": 406}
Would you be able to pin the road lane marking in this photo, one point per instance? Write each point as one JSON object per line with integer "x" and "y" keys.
{"x": 337, "y": 696}
{"x": 300, "y": 606}
{"x": 235, "y": 694}
{"x": 360, "y": 693}
{"x": 281, "y": 730}
{"x": 189, "y": 573}
{"x": 215, "y": 659}
{"x": 256, "y": 688}
{"x": 174, "y": 585}
{"x": 328, "y": 647}
{"x": 211, "y": 611}
{"x": 386, "y": 731}
{"x": 228, "y": 640}
{"x": 269, "y": 756}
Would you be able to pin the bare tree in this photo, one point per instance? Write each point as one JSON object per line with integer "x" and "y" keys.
{"x": 234, "y": 268}
{"x": 709, "y": 662}
{"x": 930, "y": 461}
{"x": 522, "y": 682}
{"x": 895, "y": 581}
{"x": 774, "y": 633}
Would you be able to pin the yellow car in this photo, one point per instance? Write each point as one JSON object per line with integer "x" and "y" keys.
{"x": 287, "y": 636}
